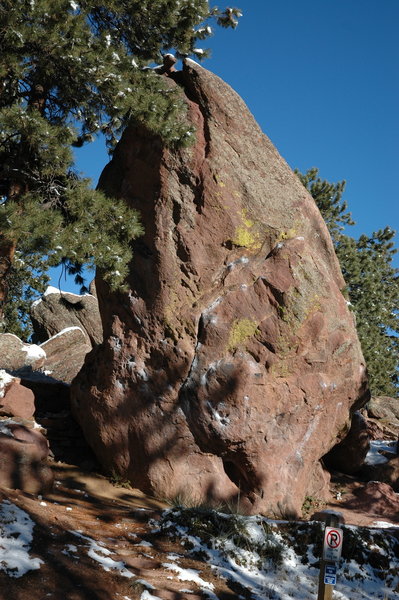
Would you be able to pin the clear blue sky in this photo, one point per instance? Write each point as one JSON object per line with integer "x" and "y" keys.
{"x": 322, "y": 79}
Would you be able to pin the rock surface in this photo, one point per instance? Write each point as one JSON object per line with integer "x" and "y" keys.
{"x": 15, "y": 399}
{"x": 65, "y": 353}
{"x": 386, "y": 411}
{"x": 230, "y": 366}
{"x": 15, "y": 355}
{"x": 375, "y": 498}
{"x": 23, "y": 454}
{"x": 57, "y": 310}
{"x": 348, "y": 456}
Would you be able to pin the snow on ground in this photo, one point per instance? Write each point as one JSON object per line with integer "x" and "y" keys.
{"x": 261, "y": 559}
{"x": 374, "y": 456}
{"x": 99, "y": 553}
{"x": 280, "y": 560}
{"x": 16, "y": 535}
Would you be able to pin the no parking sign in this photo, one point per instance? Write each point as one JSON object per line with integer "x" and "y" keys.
{"x": 332, "y": 548}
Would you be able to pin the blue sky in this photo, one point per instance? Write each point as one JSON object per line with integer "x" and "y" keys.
{"x": 322, "y": 79}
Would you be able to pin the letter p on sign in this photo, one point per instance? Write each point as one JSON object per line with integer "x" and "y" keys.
{"x": 332, "y": 548}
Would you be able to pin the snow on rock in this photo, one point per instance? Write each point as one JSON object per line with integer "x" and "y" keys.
{"x": 16, "y": 535}
{"x": 33, "y": 353}
{"x": 15, "y": 355}
{"x": 62, "y": 332}
{"x": 147, "y": 596}
{"x": 5, "y": 380}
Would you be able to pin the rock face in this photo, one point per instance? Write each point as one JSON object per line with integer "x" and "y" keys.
{"x": 348, "y": 456}
{"x": 15, "y": 399}
{"x": 23, "y": 454}
{"x": 58, "y": 310}
{"x": 386, "y": 411}
{"x": 230, "y": 366}
{"x": 65, "y": 353}
{"x": 15, "y": 355}
{"x": 376, "y": 497}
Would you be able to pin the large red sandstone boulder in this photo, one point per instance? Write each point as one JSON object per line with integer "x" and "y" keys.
{"x": 57, "y": 310}
{"x": 23, "y": 454}
{"x": 230, "y": 366}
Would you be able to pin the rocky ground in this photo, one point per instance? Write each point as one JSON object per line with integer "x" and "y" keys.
{"x": 92, "y": 538}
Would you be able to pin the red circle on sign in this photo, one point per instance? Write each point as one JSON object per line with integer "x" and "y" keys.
{"x": 333, "y": 538}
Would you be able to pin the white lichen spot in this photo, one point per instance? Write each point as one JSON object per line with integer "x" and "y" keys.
{"x": 220, "y": 417}
{"x": 116, "y": 343}
{"x": 142, "y": 374}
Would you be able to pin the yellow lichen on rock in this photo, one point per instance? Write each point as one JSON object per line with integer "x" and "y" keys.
{"x": 244, "y": 236}
{"x": 241, "y": 331}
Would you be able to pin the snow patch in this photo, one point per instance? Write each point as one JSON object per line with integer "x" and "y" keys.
{"x": 33, "y": 353}
{"x": 147, "y": 596}
{"x": 62, "y": 332}
{"x": 16, "y": 535}
{"x": 5, "y": 380}
{"x": 374, "y": 456}
{"x": 188, "y": 575}
{"x": 101, "y": 555}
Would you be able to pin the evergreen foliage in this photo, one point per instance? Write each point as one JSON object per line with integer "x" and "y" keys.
{"x": 26, "y": 281}
{"x": 70, "y": 70}
{"x": 372, "y": 283}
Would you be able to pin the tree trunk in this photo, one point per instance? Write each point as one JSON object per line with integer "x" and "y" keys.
{"x": 7, "y": 251}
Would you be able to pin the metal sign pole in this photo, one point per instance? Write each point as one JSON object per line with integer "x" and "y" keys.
{"x": 328, "y": 567}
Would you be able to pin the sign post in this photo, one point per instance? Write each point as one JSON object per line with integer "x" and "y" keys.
{"x": 332, "y": 548}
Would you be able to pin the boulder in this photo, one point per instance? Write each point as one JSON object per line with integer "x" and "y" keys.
{"x": 23, "y": 454}
{"x": 386, "y": 410}
{"x": 389, "y": 473}
{"x": 231, "y": 364}
{"x": 386, "y": 472}
{"x": 65, "y": 353}
{"x": 16, "y": 356}
{"x": 376, "y": 498}
{"x": 15, "y": 399}
{"x": 349, "y": 454}
{"x": 57, "y": 310}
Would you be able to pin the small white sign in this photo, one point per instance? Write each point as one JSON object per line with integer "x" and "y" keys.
{"x": 333, "y": 537}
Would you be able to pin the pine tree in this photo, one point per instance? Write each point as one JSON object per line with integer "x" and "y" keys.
{"x": 27, "y": 280}
{"x": 372, "y": 283}
{"x": 70, "y": 70}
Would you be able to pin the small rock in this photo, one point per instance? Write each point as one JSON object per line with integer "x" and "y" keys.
{"x": 17, "y": 400}
{"x": 23, "y": 453}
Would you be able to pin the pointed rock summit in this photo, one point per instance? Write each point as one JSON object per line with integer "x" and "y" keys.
{"x": 231, "y": 365}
